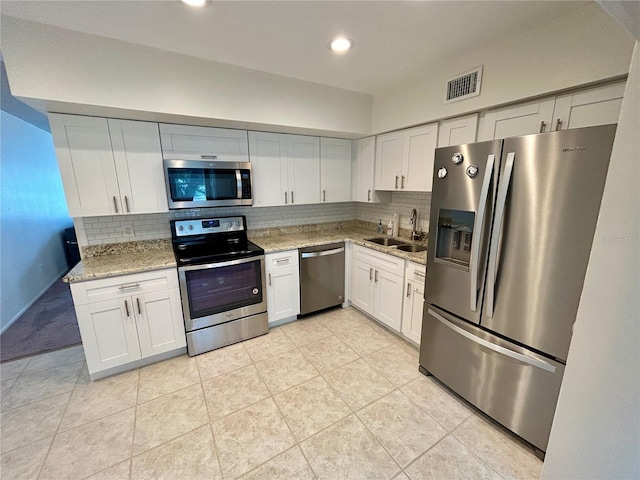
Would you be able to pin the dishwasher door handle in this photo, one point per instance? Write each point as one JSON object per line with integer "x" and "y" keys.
{"x": 322, "y": 253}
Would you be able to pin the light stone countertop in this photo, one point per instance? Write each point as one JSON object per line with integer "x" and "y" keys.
{"x": 135, "y": 257}
{"x": 291, "y": 241}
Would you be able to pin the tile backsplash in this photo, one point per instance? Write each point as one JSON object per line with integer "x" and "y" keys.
{"x": 127, "y": 228}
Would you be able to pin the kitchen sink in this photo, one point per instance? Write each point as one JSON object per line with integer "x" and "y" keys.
{"x": 412, "y": 248}
{"x": 387, "y": 242}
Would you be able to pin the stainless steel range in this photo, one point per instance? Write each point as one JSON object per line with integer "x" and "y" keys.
{"x": 222, "y": 282}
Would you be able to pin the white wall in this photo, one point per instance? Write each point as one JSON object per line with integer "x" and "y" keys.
{"x": 33, "y": 213}
{"x": 63, "y": 66}
{"x": 596, "y": 430}
{"x": 575, "y": 50}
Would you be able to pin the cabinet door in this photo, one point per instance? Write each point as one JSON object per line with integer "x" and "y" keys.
{"x": 109, "y": 334}
{"x": 269, "y": 163}
{"x": 283, "y": 293}
{"x": 457, "y": 131}
{"x": 189, "y": 142}
{"x": 335, "y": 169}
{"x": 596, "y": 106}
{"x": 532, "y": 117}
{"x": 362, "y": 285}
{"x": 83, "y": 148}
{"x": 365, "y": 169}
{"x": 412, "y": 311}
{"x": 304, "y": 169}
{"x": 138, "y": 158}
{"x": 388, "y": 298}
{"x": 389, "y": 160}
{"x": 418, "y": 157}
{"x": 160, "y": 325}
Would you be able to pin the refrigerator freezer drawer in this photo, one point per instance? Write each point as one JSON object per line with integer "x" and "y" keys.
{"x": 514, "y": 386}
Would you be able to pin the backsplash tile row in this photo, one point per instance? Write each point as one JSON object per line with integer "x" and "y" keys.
{"x": 127, "y": 228}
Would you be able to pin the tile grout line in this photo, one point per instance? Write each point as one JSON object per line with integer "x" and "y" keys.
{"x": 135, "y": 424}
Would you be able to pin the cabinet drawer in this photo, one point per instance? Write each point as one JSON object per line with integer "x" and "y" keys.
{"x": 123, "y": 286}
{"x": 379, "y": 260}
{"x": 415, "y": 272}
{"x": 283, "y": 259}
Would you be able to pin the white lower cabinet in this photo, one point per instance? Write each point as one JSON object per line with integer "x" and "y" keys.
{"x": 413, "y": 301}
{"x": 283, "y": 285}
{"x": 377, "y": 283}
{"x": 128, "y": 318}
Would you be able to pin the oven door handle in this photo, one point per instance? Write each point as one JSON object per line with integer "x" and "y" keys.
{"x": 186, "y": 268}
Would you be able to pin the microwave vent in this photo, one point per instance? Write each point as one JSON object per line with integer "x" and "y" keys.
{"x": 466, "y": 85}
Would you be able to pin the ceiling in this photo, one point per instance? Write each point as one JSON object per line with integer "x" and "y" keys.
{"x": 394, "y": 40}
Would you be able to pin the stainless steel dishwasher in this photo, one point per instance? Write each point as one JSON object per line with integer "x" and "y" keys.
{"x": 321, "y": 277}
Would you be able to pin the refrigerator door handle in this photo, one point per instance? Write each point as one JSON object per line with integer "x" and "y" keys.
{"x": 534, "y": 362}
{"x": 492, "y": 274}
{"x": 478, "y": 233}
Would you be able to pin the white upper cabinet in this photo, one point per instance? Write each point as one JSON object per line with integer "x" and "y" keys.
{"x": 586, "y": 108}
{"x": 188, "y": 143}
{"x": 286, "y": 169}
{"x": 109, "y": 167}
{"x": 523, "y": 119}
{"x": 404, "y": 159}
{"x": 136, "y": 151}
{"x": 596, "y": 106}
{"x": 335, "y": 170}
{"x": 457, "y": 131}
{"x": 365, "y": 171}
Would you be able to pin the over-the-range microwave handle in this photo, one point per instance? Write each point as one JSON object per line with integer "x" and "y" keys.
{"x": 478, "y": 227}
{"x": 534, "y": 362}
{"x": 501, "y": 202}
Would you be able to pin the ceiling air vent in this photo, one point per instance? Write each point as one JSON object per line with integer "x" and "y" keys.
{"x": 466, "y": 85}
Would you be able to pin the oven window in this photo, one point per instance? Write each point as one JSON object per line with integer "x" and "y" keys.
{"x": 215, "y": 290}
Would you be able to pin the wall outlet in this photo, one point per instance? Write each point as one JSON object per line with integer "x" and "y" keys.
{"x": 127, "y": 230}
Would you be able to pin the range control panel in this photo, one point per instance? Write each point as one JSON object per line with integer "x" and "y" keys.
{"x": 203, "y": 226}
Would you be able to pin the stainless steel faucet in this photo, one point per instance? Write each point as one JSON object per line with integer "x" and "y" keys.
{"x": 414, "y": 222}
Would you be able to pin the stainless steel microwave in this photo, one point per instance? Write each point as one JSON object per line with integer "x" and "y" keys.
{"x": 205, "y": 183}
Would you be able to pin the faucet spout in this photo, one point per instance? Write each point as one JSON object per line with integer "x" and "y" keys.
{"x": 414, "y": 222}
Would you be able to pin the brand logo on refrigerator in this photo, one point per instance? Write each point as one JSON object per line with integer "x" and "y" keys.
{"x": 574, "y": 149}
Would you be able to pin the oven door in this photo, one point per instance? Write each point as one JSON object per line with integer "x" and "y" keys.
{"x": 221, "y": 292}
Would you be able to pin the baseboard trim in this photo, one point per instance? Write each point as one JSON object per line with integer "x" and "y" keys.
{"x": 35, "y": 299}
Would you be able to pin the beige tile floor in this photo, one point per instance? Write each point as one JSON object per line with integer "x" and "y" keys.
{"x": 333, "y": 396}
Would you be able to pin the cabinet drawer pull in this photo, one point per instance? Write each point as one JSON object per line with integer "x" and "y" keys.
{"x": 126, "y": 287}
{"x": 402, "y": 182}
{"x": 126, "y": 308}
{"x": 408, "y": 290}
{"x": 418, "y": 273}
{"x": 126, "y": 202}
{"x": 283, "y": 260}
{"x": 138, "y": 303}
{"x": 368, "y": 195}
{"x": 115, "y": 204}
{"x": 397, "y": 177}
{"x": 370, "y": 274}
{"x": 269, "y": 279}
{"x": 376, "y": 277}
{"x": 209, "y": 157}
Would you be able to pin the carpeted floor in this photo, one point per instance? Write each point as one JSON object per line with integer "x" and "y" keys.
{"x": 49, "y": 324}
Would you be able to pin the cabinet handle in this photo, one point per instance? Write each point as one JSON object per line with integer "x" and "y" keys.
{"x": 543, "y": 125}
{"x": 370, "y": 274}
{"x": 126, "y": 308}
{"x": 115, "y": 204}
{"x": 408, "y": 290}
{"x": 376, "y": 277}
{"x": 418, "y": 273}
{"x": 558, "y": 125}
{"x": 125, "y": 287}
{"x": 292, "y": 202}
{"x": 283, "y": 260}
{"x": 209, "y": 157}
{"x": 269, "y": 279}
{"x": 402, "y": 182}
{"x": 368, "y": 195}
{"x": 397, "y": 177}
{"x": 324, "y": 195}
{"x": 285, "y": 197}
{"x": 126, "y": 202}
{"x": 138, "y": 303}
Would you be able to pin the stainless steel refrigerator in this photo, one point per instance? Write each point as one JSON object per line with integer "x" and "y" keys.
{"x": 511, "y": 227}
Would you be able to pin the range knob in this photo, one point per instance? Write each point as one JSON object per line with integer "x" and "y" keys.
{"x": 181, "y": 228}
{"x": 190, "y": 227}
{"x": 457, "y": 158}
{"x": 442, "y": 172}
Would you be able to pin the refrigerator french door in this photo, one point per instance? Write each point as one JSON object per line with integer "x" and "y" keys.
{"x": 519, "y": 256}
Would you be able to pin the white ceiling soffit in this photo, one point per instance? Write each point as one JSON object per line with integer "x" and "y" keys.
{"x": 394, "y": 40}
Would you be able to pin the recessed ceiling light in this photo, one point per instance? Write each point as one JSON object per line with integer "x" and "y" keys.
{"x": 341, "y": 44}
{"x": 196, "y": 3}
